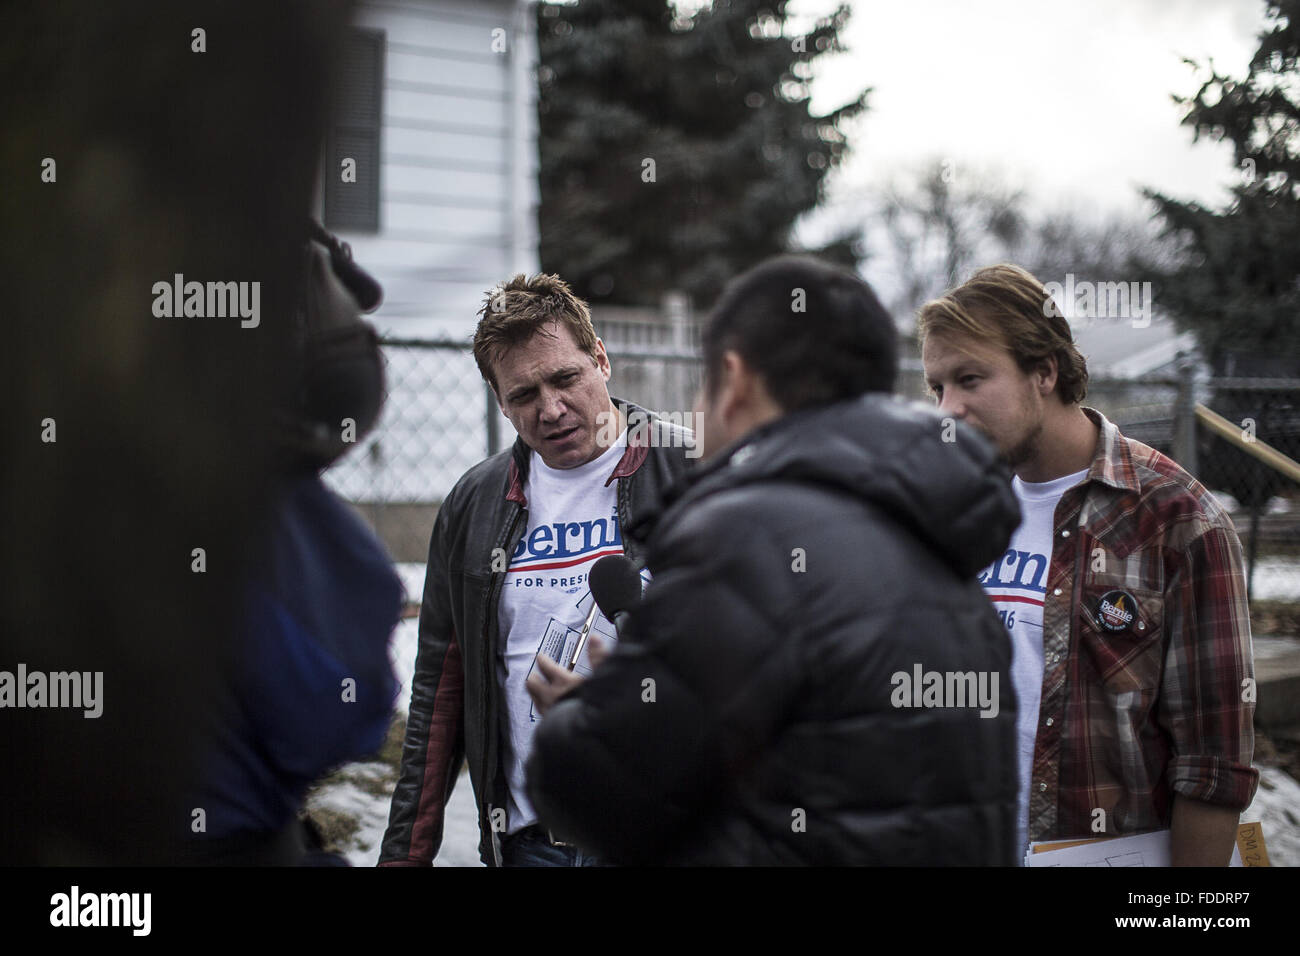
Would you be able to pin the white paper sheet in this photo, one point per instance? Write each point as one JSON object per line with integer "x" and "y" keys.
{"x": 1143, "y": 849}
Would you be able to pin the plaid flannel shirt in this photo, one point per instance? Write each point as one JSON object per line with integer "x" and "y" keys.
{"x": 1147, "y": 700}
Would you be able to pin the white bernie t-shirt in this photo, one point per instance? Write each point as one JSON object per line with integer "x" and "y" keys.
{"x": 572, "y": 522}
{"x": 1016, "y": 584}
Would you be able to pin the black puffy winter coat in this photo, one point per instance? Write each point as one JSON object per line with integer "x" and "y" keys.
{"x": 759, "y": 707}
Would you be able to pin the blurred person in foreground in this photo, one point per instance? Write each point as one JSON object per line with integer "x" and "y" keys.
{"x": 164, "y": 443}
{"x": 508, "y": 563}
{"x": 1122, "y": 589}
{"x": 787, "y": 691}
{"x": 312, "y": 687}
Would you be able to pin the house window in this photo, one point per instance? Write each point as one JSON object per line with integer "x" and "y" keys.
{"x": 354, "y": 134}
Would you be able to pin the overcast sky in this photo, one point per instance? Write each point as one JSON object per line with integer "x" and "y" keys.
{"x": 1068, "y": 98}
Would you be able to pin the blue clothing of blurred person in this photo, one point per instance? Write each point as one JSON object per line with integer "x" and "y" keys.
{"x": 313, "y": 686}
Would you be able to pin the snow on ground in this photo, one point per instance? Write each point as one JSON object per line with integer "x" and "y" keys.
{"x": 401, "y": 652}
{"x": 368, "y": 810}
{"x": 1276, "y": 579}
{"x": 460, "y": 828}
{"x": 460, "y": 825}
{"x": 1277, "y": 808}
{"x": 412, "y": 575}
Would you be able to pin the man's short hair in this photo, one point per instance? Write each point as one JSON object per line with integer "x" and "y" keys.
{"x": 513, "y": 312}
{"x": 814, "y": 333}
{"x": 1006, "y": 306}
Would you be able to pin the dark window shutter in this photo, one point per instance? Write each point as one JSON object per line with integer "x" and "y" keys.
{"x": 354, "y": 133}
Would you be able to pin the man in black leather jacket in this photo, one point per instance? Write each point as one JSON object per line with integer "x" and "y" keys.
{"x": 536, "y": 347}
{"x": 814, "y": 675}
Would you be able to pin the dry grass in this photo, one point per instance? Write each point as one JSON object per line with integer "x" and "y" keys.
{"x": 338, "y": 828}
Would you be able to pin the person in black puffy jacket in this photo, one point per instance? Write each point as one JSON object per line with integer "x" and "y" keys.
{"x": 814, "y": 675}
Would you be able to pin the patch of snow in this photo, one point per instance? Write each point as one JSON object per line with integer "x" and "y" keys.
{"x": 460, "y": 821}
{"x": 412, "y": 575}
{"x": 1276, "y": 579}
{"x": 401, "y": 653}
{"x": 1277, "y": 808}
{"x": 460, "y": 827}
{"x": 370, "y": 812}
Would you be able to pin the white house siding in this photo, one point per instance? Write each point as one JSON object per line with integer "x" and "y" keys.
{"x": 458, "y": 212}
{"x": 458, "y": 148}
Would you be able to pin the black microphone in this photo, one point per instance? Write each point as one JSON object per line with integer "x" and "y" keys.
{"x": 616, "y": 587}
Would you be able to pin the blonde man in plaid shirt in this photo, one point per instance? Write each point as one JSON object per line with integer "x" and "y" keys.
{"x": 1122, "y": 590}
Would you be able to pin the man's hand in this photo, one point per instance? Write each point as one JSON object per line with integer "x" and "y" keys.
{"x": 549, "y": 681}
{"x": 1201, "y": 834}
{"x": 597, "y": 650}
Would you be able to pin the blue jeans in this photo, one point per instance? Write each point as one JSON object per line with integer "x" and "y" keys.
{"x": 529, "y": 847}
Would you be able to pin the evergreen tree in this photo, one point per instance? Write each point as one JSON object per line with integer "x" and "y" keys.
{"x": 1239, "y": 285}
{"x": 676, "y": 150}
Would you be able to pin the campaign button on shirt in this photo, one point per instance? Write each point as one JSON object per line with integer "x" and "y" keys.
{"x": 1116, "y": 611}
